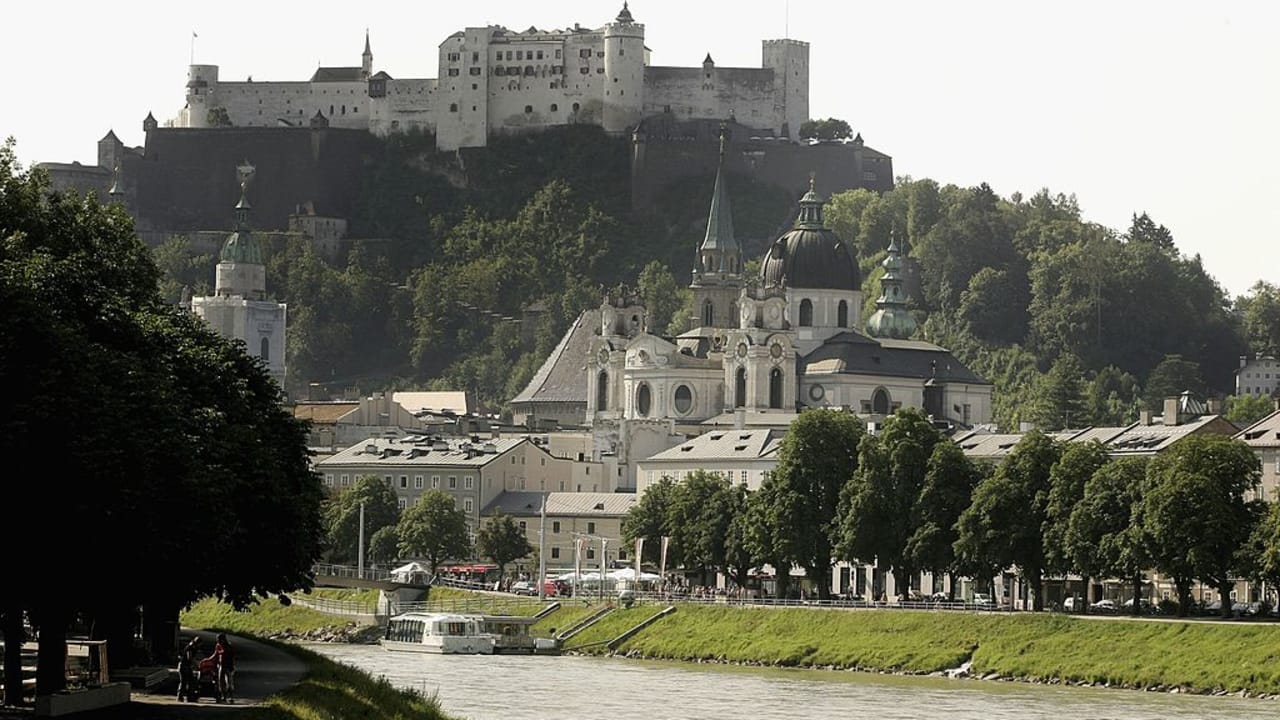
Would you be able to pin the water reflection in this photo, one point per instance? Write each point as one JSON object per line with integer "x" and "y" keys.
{"x": 513, "y": 687}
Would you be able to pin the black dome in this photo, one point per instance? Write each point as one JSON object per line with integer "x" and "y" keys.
{"x": 810, "y": 255}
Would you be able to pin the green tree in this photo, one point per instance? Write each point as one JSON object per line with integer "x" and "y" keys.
{"x": 1058, "y": 396}
{"x": 218, "y": 117}
{"x": 662, "y": 298}
{"x": 501, "y": 540}
{"x": 1112, "y": 398}
{"x": 342, "y": 515}
{"x": 1194, "y": 512}
{"x": 948, "y": 487}
{"x": 878, "y": 513}
{"x": 1259, "y": 311}
{"x": 739, "y": 551}
{"x": 1102, "y": 538}
{"x": 1144, "y": 230}
{"x": 1172, "y": 377}
{"x": 825, "y": 129}
{"x": 1067, "y": 479}
{"x": 818, "y": 455}
{"x": 434, "y": 529}
{"x": 1245, "y": 410}
{"x": 649, "y": 518}
{"x": 384, "y": 545}
{"x": 994, "y": 306}
{"x": 1262, "y": 553}
{"x": 699, "y": 517}
{"x": 1003, "y": 526}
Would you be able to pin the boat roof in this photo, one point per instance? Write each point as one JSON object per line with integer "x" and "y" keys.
{"x": 436, "y": 616}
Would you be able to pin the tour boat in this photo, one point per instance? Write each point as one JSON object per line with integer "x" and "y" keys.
{"x": 447, "y": 633}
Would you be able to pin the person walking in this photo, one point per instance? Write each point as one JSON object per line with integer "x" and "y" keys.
{"x": 224, "y": 655}
{"x": 188, "y": 659}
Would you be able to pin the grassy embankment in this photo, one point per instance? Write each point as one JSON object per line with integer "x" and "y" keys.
{"x": 1190, "y": 655}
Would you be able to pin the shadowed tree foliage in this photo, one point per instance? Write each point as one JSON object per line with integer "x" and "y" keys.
{"x": 949, "y": 482}
{"x": 502, "y": 541}
{"x": 1067, "y": 480}
{"x": 342, "y": 516}
{"x": 179, "y": 435}
{"x": 1102, "y": 539}
{"x": 649, "y": 518}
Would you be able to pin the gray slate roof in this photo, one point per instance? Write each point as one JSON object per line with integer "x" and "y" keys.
{"x": 1264, "y": 433}
{"x": 562, "y": 377}
{"x": 338, "y": 74}
{"x": 420, "y": 450}
{"x": 723, "y": 445}
{"x": 853, "y": 353}
{"x": 525, "y": 504}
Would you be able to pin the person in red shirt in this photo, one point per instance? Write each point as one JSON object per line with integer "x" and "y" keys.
{"x": 225, "y": 656}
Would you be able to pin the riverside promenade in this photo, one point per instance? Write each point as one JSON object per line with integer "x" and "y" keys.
{"x": 261, "y": 671}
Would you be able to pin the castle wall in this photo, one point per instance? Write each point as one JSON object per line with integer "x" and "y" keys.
{"x": 265, "y": 104}
{"x": 407, "y": 105}
{"x": 187, "y": 179}
{"x": 746, "y": 94}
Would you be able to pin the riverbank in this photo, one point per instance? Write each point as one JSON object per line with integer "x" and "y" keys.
{"x": 1149, "y": 655}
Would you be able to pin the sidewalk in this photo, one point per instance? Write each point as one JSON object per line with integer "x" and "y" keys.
{"x": 261, "y": 671}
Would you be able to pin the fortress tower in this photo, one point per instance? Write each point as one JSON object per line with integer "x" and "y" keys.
{"x": 623, "y": 72}
{"x": 202, "y": 86}
{"x": 789, "y": 60}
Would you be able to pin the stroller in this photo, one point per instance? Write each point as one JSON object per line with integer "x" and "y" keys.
{"x": 207, "y": 680}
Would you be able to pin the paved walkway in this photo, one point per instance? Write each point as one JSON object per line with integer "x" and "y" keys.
{"x": 261, "y": 671}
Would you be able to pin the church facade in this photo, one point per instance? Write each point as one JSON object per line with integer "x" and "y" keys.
{"x": 764, "y": 348}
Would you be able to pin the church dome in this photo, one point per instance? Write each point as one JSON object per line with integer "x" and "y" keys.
{"x": 810, "y": 256}
{"x": 242, "y": 247}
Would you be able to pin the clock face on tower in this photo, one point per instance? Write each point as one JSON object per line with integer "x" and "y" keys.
{"x": 742, "y": 350}
{"x": 776, "y": 350}
{"x": 604, "y": 356}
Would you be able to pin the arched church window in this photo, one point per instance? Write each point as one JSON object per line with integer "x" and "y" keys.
{"x": 880, "y": 401}
{"x": 740, "y": 388}
{"x": 708, "y": 314}
{"x": 733, "y": 313}
{"x": 644, "y": 400}
{"x": 842, "y": 314}
{"x": 264, "y": 349}
{"x": 602, "y": 391}
{"x": 806, "y": 313}
{"x": 775, "y": 388}
{"x": 684, "y": 399}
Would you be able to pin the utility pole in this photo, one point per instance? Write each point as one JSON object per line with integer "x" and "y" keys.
{"x": 603, "y": 556}
{"x": 542, "y": 551}
{"x": 360, "y": 551}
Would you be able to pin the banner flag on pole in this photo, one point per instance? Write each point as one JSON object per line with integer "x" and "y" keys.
{"x": 662, "y": 563}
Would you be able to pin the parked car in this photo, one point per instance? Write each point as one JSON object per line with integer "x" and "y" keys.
{"x": 983, "y": 601}
{"x": 1072, "y": 604}
{"x": 524, "y": 587}
{"x": 1104, "y": 606}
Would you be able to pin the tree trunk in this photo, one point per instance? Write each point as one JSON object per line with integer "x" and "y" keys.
{"x": 1224, "y": 592}
{"x": 14, "y": 636}
{"x": 951, "y": 587}
{"x": 822, "y": 579}
{"x": 51, "y": 651}
{"x": 1183, "y": 587}
{"x": 1035, "y": 586}
{"x": 1137, "y": 594}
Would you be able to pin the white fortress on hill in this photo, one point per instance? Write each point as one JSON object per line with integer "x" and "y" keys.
{"x": 494, "y": 81}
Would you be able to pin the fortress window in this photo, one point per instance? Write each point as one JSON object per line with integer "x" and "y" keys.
{"x": 499, "y": 70}
{"x": 554, "y": 107}
{"x": 475, "y": 70}
{"x": 330, "y": 110}
{"x": 585, "y": 52}
{"x": 453, "y": 72}
{"x": 475, "y": 57}
{"x": 599, "y": 53}
{"x": 557, "y": 53}
{"x": 453, "y": 107}
{"x": 519, "y": 54}
{"x": 453, "y": 57}
{"x": 806, "y": 312}
{"x": 474, "y": 86}
{"x": 575, "y": 107}
{"x": 585, "y": 70}
{"x": 842, "y": 314}
{"x": 528, "y": 109}
{"x": 775, "y": 389}
{"x": 508, "y": 54}
{"x": 621, "y": 52}
{"x": 528, "y": 70}
{"x": 599, "y": 71}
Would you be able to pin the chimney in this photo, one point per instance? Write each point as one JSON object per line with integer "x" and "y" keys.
{"x": 1215, "y": 406}
{"x": 739, "y": 418}
{"x": 1244, "y": 360}
{"x": 1170, "y": 411}
{"x": 1144, "y": 417}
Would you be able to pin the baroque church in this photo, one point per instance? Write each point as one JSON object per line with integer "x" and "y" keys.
{"x": 763, "y": 349}
{"x": 239, "y": 309}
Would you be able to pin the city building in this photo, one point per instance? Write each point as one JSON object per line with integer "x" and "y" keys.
{"x": 1264, "y": 437}
{"x": 740, "y": 455}
{"x": 577, "y": 527}
{"x": 1258, "y": 376}
{"x": 492, "y": 80}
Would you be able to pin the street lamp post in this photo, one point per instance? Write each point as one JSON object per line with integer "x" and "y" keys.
{"x": 360, "y": 546}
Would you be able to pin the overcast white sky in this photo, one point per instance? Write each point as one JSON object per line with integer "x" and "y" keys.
{"x": 1172, "y": 108}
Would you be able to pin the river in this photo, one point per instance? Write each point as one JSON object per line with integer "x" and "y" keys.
{"x": 513, "y": 687}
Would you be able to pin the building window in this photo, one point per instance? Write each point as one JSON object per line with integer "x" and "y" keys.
{"x": 575, "y": 107}
{"x": 264, "y": 349}
{"x": 584, "y": 52}
{"x": 468, "y": 482}
{"x": 418, "y": 482}
{"x": 744, "y": 477}
{"x": 602, "y": 391}
{"x": 328, "y": 479}
{"x": 402, "y": 503}
{"x": 806, "y": 313}
{"x": 528, "y": 109}
{"x": 591, "y": 528}
{"x": 591, "y": 553}
{"x": 404, "y": 482}
{"x": 775, "y": 388}
{"x": 643, "y": 400}
{"x": 683, "y": 399}
{"x": 554, "y": 107}
{"x": 555, "y": 526}
{"x": 519, "y": 54}
{"x": 740, "y": 388}
{"x": 523, "y": 526}
{"x": 468, "y": 505}
{"x": 842, "y": 314}
{"x": 435, "y": 482}
{"x": 880, "y": 401}
{"x": 555, "y": 552}
{"x": 453, "y": 72}
{"x": 453, "y": 482}
{"x": 453, "y": 107}
{"x": 390, "y": 481}
{"x": 474, "y": 70}
{"x": 708, "y": 314}
{"x": 346, "y": 480}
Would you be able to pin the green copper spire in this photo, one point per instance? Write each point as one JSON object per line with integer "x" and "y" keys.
{"x": 810, "y": 209}
{"x": 892, "y": 319}
{"x": 242, "y": 246}
{"x": 720, "y": 251}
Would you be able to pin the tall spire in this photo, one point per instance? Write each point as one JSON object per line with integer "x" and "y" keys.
{"x": 810, "y": 208}
{"x": 892, "y": 319}
{"x": 720, "y": 251}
